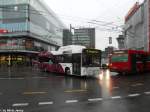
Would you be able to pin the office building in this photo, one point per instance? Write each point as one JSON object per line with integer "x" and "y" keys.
{"x": 84, "y": 36}
{"x": 67, "y": 37}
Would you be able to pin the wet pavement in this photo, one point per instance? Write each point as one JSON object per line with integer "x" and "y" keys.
{"x": 26, "y": 89}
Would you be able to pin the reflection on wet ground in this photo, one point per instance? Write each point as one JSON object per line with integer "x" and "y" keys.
{"x": 35, "y": 91}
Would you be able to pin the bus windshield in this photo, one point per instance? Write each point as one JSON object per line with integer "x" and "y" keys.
{"x": 119, "y": 58}
{"x": 91, "y": 58}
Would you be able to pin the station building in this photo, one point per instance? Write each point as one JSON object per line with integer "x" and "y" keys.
{"x": 26, "y": 28}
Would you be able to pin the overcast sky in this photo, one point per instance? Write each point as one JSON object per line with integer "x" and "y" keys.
{"x": 105, "y": 13}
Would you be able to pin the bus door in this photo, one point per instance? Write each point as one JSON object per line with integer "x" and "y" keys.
{"x": 76, "y": 61}
{"x": 133, "y": 63}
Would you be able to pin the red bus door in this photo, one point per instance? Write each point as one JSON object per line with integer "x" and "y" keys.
{"x": 133, "y": 63}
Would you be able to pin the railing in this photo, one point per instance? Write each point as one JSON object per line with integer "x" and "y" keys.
{"x": 12, "y": 48}
{"x": 19, "y": 48}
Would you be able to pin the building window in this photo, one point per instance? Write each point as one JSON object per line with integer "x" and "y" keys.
{"x": 16, "y": 8}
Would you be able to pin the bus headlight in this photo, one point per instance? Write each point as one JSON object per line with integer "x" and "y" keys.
{"x": 110, "y": 65}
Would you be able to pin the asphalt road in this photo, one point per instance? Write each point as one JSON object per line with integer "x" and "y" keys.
{"x": 26, "y": 89}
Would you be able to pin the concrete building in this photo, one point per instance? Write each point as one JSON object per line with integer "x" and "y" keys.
{"x": 84, "y": 36}
{"x": 27, "y": 27}
{"x": 137, "y": 27}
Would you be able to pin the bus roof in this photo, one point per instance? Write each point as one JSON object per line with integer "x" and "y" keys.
{"x": 56, "y": 52}
{"x": 69, "y": 49}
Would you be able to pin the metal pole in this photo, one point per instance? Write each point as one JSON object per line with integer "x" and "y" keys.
{"x": 9, "y": 60}
{"x": 70, "y": 34}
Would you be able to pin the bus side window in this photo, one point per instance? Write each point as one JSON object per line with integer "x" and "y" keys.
{"x": 139, "y": 57}
{"x": 67, "y": 58}
{"x": 147, "y": 58}
{"x": 50, "y": 62}
{"x": 76, "y": 58}
{"x": 59, "y": 59}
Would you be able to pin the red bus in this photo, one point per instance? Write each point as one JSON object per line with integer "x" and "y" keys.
{"x": 129, "y": 61}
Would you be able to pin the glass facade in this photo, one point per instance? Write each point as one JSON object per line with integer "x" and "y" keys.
{"x": 44, "y": 23}
{"x": 14, "y": 17}
{"x": 35, "y": 19}
{"x": 85, "y": 37}
{"x": 11, "y": 2}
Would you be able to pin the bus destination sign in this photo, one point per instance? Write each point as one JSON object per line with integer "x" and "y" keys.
{"x": 91, "y": 51}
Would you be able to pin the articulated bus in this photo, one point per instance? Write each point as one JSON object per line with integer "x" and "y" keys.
{"x": 73, "y": 60}
{"x": 129, "y": 61}
{"x": 44, "y": 58}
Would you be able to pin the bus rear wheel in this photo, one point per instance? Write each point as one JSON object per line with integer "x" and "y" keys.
{"x": 67, "y": 71}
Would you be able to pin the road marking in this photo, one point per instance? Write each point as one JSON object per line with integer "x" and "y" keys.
{"x": 45, "y": 103}
{"x": 147, "y": 93}
{"x": 20, "y": 104}
{"x": 11, "y": 78}
{"x": 3, "y": 78}
{"x": 71, "y": 101}
{"x": 95, "y": 99}
{"x": 17, "y": 78}
{"x": 32, "y": 93}
{"x": 39, "y": 77}
{"x": 21, "y": 78}
{"x": 75, "y": 91}
{"x": 134, "y": 95}
{"x": 137, "y": 84}
{"x": 116, "y": 97}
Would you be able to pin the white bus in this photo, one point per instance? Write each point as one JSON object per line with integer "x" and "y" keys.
{"x": 78, "y": 60}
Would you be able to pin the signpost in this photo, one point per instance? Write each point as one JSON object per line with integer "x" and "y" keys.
{"x": 9, "y": 60}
